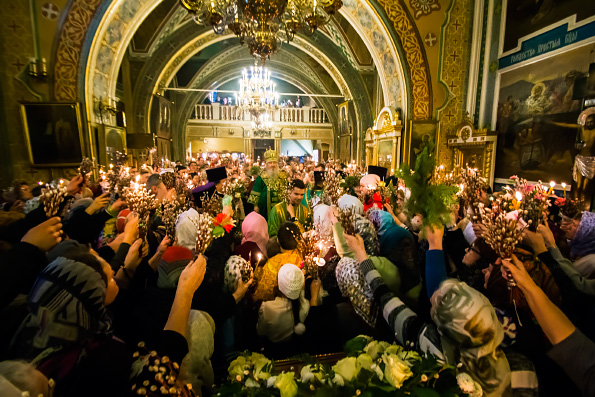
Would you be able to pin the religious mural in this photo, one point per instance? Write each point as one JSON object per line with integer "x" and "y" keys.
{"x": 537, "y": 117}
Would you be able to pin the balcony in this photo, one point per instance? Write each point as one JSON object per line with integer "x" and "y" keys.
{"x": 216, "y": 114}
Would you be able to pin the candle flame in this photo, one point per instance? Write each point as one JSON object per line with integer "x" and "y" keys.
{"x": 519, "y": 196}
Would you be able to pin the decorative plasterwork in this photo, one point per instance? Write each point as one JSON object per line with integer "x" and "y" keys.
{"x": 179, "y": 18}
{"x": 69, "y": 47}
{"x": 454, "y": 71}
{"x": 420, "y": 92}
{"x": 424, "y": 7}
{"x": 332, "y": 32}
{"x": 374, "y": 34}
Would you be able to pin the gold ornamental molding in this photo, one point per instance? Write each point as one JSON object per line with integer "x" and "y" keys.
{"x": 69, "y": 47}
{"x": 421, "y": 94}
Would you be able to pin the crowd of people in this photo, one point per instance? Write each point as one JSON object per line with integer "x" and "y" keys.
{"x": 97, "y": 301}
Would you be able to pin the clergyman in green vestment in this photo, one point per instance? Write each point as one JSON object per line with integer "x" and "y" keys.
{"x": 292, "y": 211}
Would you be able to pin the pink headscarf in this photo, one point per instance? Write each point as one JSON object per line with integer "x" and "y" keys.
{"x": 255, "y": 229}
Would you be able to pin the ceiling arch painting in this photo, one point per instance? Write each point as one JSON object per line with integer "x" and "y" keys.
{"x": 117, "y": 22}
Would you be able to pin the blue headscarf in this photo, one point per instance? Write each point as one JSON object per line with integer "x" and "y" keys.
{"x": 583, "y": 242}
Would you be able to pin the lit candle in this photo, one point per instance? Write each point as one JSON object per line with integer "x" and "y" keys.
{"x": 40, "y": 183}
{"x": 137, "y": 178}
{"x": 61, "y": 181}
{"x": 111, "y": 166}
{"x": 519, "y": 196}
{"x": 552, "y": 185}
{"x": 564, "y": 187}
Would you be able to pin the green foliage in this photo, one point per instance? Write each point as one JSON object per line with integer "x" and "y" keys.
{"x": 350, "y": 183}
{"x": 431, "y": 201}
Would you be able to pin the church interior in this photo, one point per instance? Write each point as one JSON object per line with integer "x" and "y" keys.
{"x": 394, "y": 103}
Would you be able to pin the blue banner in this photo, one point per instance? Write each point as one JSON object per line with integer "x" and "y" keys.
{"x": 549, "y": 41}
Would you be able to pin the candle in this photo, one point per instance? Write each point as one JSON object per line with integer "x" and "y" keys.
{"x": 564, "y": 187}
{"x": 552, "y": 185}
{"x": 259, "y": 257}
{"x": 61, "y": 181}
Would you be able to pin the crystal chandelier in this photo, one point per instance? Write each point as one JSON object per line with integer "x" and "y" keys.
{"x": 263, "y": 122}
{"x": 263, "y": 24}
{"x": 257, "y": 91}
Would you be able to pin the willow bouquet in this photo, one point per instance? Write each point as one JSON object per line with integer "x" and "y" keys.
{"x": 332, "y": 188}
{"x": 51, "y": 198}
{"x": 171, "y": 211}
{"x": 204, "y": 232}
{"x": 473, "y": 185}
{"x": 141, "y": 202}
{"x": 347, "y": 219}
{"x": 502, "y": 234}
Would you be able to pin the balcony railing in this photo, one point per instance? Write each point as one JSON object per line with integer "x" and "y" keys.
{"x": 216, "y": 111}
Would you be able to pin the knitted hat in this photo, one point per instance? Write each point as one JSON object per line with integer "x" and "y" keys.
{"x": 121, "y": 220}
{"x": 290, "y": 280}
{"x": 236, "y": 267}
{"x": 172, "y": 263}
{"x": 347, "y": 201}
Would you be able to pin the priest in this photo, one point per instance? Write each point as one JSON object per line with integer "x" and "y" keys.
{"x": 266, "y": 192}
{"x": 216, "y": 177}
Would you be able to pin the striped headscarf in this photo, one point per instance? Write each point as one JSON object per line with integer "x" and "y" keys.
{"x": 66, "y": 308}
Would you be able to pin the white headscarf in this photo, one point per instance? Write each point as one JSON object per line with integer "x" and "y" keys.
{"x": 347, "y": 201}
{"x": 186, "y": 229}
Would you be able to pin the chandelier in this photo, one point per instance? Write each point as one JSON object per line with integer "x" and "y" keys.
{"x": 263, "y": 24}
{"x": 257, "y": 91}
{"x": 262, "y": 124}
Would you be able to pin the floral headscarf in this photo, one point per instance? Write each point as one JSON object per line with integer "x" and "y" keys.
{"x": 236, "y": 267}
{"x": 352, "y": 284}
{"x": 255, "y": 229}
{"x": 365, "y": 229}
{"x": 470, "y": 334}
{"x": 382, "y": 221}
{"x": 582, "y": 243}
{"x": 66, "y": 308}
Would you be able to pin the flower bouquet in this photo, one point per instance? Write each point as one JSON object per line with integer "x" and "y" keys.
{"x": 222, "y": 223}
{"x": 370, "y": 368}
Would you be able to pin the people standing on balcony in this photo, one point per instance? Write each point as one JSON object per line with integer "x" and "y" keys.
{"x": 298, "y": 102}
